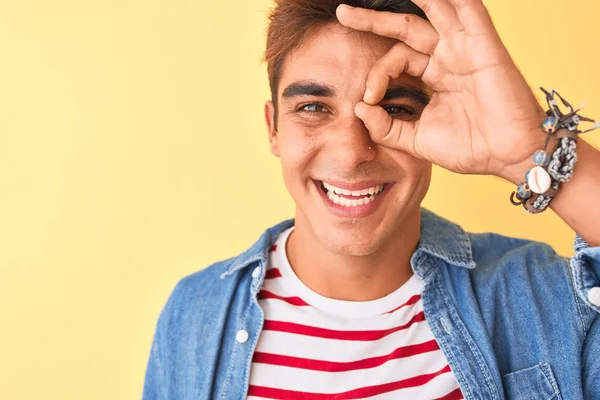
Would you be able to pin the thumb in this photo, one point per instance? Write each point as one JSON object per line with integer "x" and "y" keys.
{"x": 387, "y": 131}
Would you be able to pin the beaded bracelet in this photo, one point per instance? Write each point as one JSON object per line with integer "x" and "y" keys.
{"x": 560, "y": 169}
{"x": 541, "y": 184}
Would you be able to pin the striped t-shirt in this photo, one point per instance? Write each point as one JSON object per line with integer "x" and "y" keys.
{"x": 314, "y": 347}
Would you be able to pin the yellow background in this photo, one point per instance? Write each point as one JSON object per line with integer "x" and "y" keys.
{"x": 133, "y": 152}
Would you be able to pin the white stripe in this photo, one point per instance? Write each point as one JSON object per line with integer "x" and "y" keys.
{"x": 439, "y": 386}
{"x": 279, "y": 310}
{"x": 293, "y": 345}
{"x": 327, "y": 382}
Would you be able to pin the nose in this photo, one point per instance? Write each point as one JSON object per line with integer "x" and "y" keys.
{"x": 349, "y": 143}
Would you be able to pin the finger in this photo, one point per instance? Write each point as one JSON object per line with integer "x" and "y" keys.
{"x": 398, "y": 60}
{"x": 385, "y": 130}
{"x": 442, "y": 15}
{"x": 474, "y": 16}
{"x": 413, "y": 30}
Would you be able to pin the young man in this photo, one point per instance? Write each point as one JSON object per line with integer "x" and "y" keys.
{"x": 365, "y": 294}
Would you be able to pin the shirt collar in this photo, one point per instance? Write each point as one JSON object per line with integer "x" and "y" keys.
{"x": 445, "y": 239}
{"x": 440, "y": 238}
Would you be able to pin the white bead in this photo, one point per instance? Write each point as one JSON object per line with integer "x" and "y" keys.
{"x": 594, "y": 296}
{"x": 256, "y": 272}
{"x": 241, "y": 336}
{"x": 539, "y": 180}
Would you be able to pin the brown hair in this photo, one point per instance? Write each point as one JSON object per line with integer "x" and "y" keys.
{"x": 291, "y": 21}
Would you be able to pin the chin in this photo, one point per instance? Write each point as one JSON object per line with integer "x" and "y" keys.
{"x": 351, "y": 240}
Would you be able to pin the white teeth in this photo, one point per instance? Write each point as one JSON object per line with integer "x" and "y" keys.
{"x": 364, "y": 192}
{"x": 368, "y": 195}
{"x": 350, "y": 202}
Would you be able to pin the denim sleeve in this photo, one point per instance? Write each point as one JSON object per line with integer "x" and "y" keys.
{"x": 585, "y": 265}
{"x": 156, "y": 379}
{"x": 591, "y": 361}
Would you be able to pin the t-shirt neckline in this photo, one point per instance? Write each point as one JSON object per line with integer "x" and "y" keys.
{"x": 341, "y": 308}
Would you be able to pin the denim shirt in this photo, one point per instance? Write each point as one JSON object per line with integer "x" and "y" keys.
{"x": 514, "y": 319}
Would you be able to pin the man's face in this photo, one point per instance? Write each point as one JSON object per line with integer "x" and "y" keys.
{"x": 353, "y": 199}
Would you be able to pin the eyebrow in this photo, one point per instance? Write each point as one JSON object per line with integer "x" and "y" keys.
{"x": 308, "y": 89}
{"x": 409, "y": 92}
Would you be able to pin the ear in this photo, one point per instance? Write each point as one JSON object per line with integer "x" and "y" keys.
{"x": 273, "y": 135}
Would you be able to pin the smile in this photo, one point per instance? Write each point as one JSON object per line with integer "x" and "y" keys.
{"x": 351, "y": 198}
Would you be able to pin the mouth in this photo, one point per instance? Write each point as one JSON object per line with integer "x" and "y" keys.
{"x": 352, "y": 200}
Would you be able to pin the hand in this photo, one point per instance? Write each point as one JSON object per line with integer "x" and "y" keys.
{"x": 482, "y": 117}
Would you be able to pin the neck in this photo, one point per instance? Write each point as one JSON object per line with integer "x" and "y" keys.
{"x": 351, "y": 277}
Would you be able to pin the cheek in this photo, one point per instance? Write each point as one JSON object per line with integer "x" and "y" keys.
{"x": 418, "y": 176}
{"x": 297, "y": 153}
{"x": 407, "y": 167}
{"x": 298, "y": 149}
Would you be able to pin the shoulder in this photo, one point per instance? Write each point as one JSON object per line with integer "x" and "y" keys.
{"x": 196, "y": 293}
{"x": 210, "y": 289}
{"x": 526, "y": 275}
{"x": 492, "y": 251}
{"x": 203, "y": 279}
{"x": 198, "y": 307}
{"x": 526, "y": 265}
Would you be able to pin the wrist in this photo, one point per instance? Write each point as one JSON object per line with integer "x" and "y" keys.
{"x": 515, "y": 173}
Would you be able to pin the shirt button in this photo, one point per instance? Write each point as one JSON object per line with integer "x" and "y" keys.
{"x": 256, "y": 272}
{"x": 594, "y": 296}
{"x": 241, "y": 336}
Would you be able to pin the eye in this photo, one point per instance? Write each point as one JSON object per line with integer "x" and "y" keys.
{"x": 312, "y": 108}
{"x": 398, "y": 110}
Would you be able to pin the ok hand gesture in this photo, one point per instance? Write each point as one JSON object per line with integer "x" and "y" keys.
{"x": 482, "y": 117}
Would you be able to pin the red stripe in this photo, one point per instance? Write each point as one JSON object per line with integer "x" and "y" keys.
{"x": 456, "y": 394}
{"x": 297, "y": 301}
{"x": 299, "y": 329}
{"x": 273, "y": 248}
{"x": 334, "y": 366}
{"x": 273, "y": 273}
{"x": 410, "y": 302}
{"x": 360, "y": 393}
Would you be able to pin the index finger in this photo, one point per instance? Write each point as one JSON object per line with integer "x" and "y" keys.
{"x": 411, "y": 29}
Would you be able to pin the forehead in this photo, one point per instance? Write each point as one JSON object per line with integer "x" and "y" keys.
{"x": 339, "y": 56}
